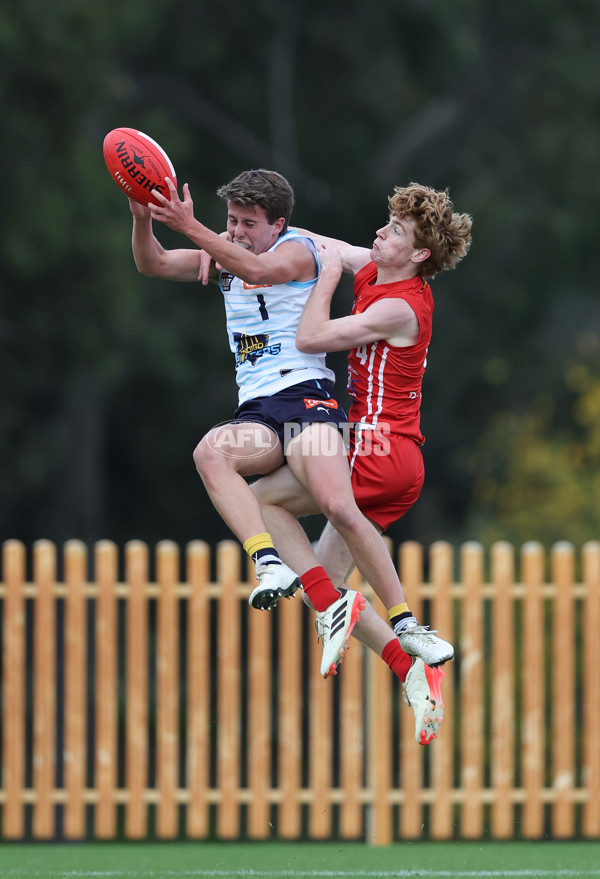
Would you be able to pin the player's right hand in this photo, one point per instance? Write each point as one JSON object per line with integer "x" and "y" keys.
{"x": 139, "y": 211}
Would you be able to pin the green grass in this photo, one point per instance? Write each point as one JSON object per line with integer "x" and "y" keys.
{"x": 303, "y": 860}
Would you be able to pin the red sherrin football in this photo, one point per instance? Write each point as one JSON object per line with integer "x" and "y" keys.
{"x": 137, "y": 164}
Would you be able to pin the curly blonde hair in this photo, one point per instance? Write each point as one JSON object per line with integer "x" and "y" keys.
{"x": 437, "y": 226}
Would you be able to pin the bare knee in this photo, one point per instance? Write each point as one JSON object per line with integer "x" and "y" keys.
{"x": 343, "y": 516}
{"x": 206, "y": 459}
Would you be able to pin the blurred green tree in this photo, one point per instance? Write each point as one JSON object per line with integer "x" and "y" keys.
{"x": 107, "y": 379}
{"x": 534, "y": 477}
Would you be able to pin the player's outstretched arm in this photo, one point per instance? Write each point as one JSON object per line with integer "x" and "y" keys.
{"x": 150, "y": 256}
{"x": 353, "y": 257}
{"x": 289, "y": 262}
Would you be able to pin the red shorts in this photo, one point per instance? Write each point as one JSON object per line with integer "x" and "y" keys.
{"x": 387, "y": 476}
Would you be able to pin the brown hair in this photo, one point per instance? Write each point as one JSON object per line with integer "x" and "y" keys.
{"x": 267, "y": 189}
{"x": 437, "y": 227}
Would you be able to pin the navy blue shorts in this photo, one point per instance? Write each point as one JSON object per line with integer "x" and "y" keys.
{"x": 289, "y": 411}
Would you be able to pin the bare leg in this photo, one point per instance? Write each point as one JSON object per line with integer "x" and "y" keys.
{"x": 281, "y": 487}
{"x": 282, "y": 500}
{"x": 327, "y": 477}
{"x": 223, "y": 458}
{"x": 421, "y": 685}
{"x": 372, "y": 630}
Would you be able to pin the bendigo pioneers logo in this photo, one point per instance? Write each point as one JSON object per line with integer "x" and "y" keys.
{"x": 250, "y": 348}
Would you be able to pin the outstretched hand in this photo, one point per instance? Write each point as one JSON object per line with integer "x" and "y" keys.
{"x": 177, "y": 214}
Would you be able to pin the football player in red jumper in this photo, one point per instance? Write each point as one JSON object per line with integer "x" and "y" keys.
{"x": 388, "y": 334}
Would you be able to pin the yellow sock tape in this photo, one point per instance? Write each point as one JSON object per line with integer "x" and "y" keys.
{"x": 397, "y": 610}
{"x": 259, "y": 541}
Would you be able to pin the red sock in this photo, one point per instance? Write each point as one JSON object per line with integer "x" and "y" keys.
{"x": 399, "y": 661}
{"x": 319, "y": 588}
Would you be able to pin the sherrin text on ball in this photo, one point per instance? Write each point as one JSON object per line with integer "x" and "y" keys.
{"x": 137, "y": 164}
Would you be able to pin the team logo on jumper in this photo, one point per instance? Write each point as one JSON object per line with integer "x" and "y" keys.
{"x": 250, "y": 348}
{"x": 225, "y": 279}
{"x": 329, "y": 404}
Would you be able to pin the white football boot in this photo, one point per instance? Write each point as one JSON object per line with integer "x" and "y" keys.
{"x": 334, "y": 627}
{"x": 422, "y": 641}
{"x": 423, "y": 692}
{"x": 274, "y": 582}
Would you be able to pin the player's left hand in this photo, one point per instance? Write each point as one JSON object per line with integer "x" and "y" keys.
{"x": 177, "y": 214}
{"x": 139, "y": 211}
{"x": 207, "y": 262}
{"x": 330, "y": 259}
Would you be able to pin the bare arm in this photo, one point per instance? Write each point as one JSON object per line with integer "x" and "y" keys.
{"x": 291, "y": 261}
{"x": 390, "y": 319}
{"x": 150, "y": 256}
{"x": 353, "y": 257}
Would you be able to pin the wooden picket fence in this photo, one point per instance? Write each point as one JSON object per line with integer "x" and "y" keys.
{"x": 137, "y": 706}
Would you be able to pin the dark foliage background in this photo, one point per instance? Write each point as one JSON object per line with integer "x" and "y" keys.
{"x": 108, "y": 379}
